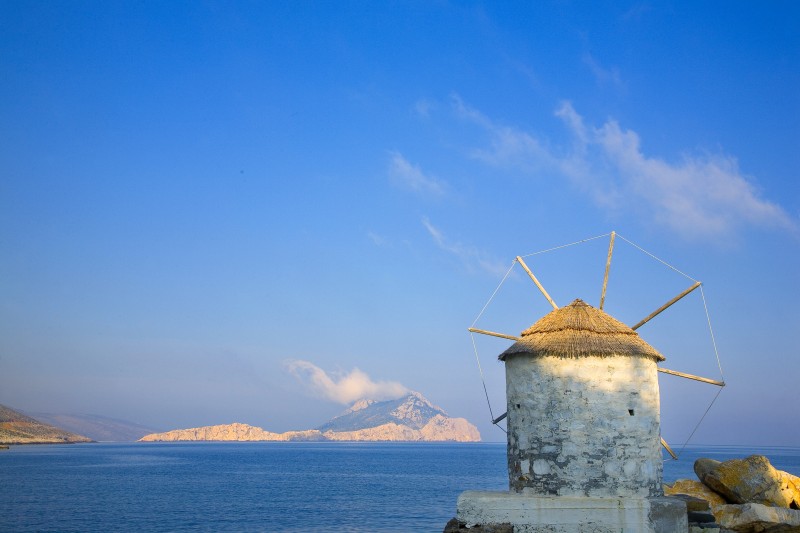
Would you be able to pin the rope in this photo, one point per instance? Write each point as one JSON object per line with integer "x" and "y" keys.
{"x": 567, "y": 245}
{"x": 713, "y": 341}
{"x": 656, "y": 258}
{"x": 483, "y": 381}
{"x": 700, "y": 421}
{"x": 719, "y": 365}
{"x": 514, "y": 262}
{"x": 480, "y": 369}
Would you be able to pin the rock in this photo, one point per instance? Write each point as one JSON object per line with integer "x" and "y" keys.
{"x": 757, "y": 518}
{"x": 749, "y": 480}
{"x": 231, "y": 432}
{"x": 385, "y": 432}
{"x": 691, "y": 487}
{"x": 441, "y": 428}
{"x": 795, "y": 482}
{"x": 704, "y": 466}
{"x": 454, "y": 526}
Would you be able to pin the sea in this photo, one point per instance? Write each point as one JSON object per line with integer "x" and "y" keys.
{"x": 265, "y": 487}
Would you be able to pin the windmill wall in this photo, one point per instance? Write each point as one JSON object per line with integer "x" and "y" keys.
{"x": 586, "y": 426}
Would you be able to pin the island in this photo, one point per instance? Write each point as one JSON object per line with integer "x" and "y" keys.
{"x": 411, "y": 418}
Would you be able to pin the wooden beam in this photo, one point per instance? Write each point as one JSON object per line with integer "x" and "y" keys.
{"x": 608, "y": 266}
{"x": 691, "y": 376}
{"x": 669, "y": 450}
{"x": 499, "y": 418}
{"x": 536, "y": 281}
{"x": 666, "y": 305}
{"x": 493, "y": 334}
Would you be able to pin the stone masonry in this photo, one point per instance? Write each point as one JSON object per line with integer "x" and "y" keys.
{"x": 585, "y": 426}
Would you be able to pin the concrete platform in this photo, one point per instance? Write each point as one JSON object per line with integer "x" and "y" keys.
{"x": 559, "y": 514}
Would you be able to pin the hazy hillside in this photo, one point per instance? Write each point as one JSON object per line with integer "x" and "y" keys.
{"x": 98, "y": 428}
{"x": 17, "y": 428}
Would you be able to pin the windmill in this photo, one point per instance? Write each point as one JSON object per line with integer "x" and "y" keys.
{"x": 583, "y": 418}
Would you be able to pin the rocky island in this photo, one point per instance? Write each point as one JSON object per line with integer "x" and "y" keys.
{"x": 410, "y": 418}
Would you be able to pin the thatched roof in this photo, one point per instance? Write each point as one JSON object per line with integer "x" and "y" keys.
{"x": 580, "y": 330}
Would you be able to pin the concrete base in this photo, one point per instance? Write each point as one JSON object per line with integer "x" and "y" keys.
{"x": 560, "y": 514}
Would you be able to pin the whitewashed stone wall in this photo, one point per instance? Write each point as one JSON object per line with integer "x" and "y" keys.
{"x": 586, "y": 426}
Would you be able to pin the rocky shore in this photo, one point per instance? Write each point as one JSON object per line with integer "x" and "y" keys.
{"x": 741, "y": 495}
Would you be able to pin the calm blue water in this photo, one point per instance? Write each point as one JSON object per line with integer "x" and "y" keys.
{"x": 263, "y": 486}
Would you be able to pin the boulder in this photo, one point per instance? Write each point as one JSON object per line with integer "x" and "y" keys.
{"x": 793, "y": 481}
{"x": 757, "y": 518}
{"x": 749, "y": 480}
{"x": 692, "y": 487}
{"x": 454, "y": 526}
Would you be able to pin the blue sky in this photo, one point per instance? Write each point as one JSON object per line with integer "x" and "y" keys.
{"x": 217, "y": 212}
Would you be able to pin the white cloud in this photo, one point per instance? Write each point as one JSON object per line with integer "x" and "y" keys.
{"x": 411, "y": 177}
{"x": 701, "y": 195}
{"x": 469, "y": 255}
{"x": 344, "y": 388}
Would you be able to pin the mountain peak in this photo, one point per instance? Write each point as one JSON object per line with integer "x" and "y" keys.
{"x": 358, "y": 406}
{"x": 412, "y": 410}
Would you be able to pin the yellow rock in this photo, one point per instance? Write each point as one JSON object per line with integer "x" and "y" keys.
{"x": 753, "y": 517}
{"x": 750, "y": 480}
{"x": 691, "y": 487}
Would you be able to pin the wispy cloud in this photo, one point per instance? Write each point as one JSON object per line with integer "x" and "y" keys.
{"x": 423, "y": 107}
{"x": 377, "y": 240}
{"x": 701, "y": 195}
{"x": 604, "y": 76}
{"x": 411, "y": 177}
{"x": 507, "y": 145}
{"x": 344, "y": 388}
{"x": 469, "y": 255}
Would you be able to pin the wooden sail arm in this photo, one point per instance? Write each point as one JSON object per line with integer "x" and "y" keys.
{"x": 494, "y": 334}
{"x": 691, "y": 376}
{"x": 499, "y": 418}
{"x": 665, "y": 306}
{"x": 536, "y": 281}
{"x": 669, "y": 450}
{"x": 608, "y": 267}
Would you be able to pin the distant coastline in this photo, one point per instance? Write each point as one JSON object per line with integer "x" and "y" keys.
{"x": 409, "y": 419}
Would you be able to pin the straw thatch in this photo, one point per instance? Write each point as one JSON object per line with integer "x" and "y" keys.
{"x": 580, "y": 330}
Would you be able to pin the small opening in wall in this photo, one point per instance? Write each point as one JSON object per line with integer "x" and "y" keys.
{"x": 630, "y": 412}
{"x": 517, "y": 406}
